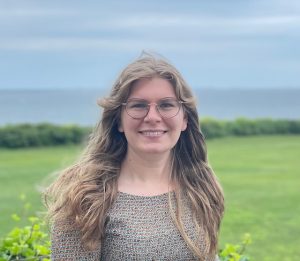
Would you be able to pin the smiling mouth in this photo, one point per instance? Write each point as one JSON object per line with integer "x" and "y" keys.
{"x": 153, "y": 133}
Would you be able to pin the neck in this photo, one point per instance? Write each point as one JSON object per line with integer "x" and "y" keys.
{"x": 145, "y": 175}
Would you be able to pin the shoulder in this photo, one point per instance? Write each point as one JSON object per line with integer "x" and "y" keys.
{"x": 66, "y": 243}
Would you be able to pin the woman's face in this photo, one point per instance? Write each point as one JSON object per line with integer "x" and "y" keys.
{"x": 152, "y": 133}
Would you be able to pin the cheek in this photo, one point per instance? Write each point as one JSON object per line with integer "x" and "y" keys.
{"x": 127, "y": 124}
{"x": 181, "y": 123}
{"x": 177, "y": 125}
{"x": 122, "y": 122}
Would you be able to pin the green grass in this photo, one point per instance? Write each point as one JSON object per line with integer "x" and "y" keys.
{"x": 261, "y": 180}
{"x": 24, "y": 171}
{"x": 260, "y": 176}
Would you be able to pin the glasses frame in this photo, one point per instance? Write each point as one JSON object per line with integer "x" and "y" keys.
{"x": 156, "y": 106}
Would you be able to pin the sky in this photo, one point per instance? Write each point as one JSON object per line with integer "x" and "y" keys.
{"x": 62, "y": 44}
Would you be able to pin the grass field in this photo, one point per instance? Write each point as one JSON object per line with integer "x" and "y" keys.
{"x": 260, "y": 176}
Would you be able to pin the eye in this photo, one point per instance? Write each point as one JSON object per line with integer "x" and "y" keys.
{"x": 137, "y": 105}
{"x": 168, "y": 104}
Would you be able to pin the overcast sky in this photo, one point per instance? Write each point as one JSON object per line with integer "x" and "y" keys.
{"x": 84, "y": 44}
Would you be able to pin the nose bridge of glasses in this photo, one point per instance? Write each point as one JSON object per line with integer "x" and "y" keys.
{"x": 156, "y": 107}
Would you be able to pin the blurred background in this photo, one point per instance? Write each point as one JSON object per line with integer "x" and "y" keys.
{"x": 241, "y": 58}
{"x": 56, "y": 58}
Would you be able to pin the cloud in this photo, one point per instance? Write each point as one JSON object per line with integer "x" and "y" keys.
{"x": 172, "y": 32}
{"x": 189, "y": 39}
{"x": 34, "y": 12}
{"x": 159, "y": 24}
{"x": 77, "y": 43}
{"x": 32, "y": 28}
{"x": 154, "y": 20}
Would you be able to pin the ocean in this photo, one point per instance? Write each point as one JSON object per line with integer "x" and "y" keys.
{"x": 79, "y": 106}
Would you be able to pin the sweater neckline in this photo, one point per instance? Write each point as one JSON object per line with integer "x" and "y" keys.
{"x": 163, "y": 195}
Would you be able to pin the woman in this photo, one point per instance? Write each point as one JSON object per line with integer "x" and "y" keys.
{"x": 143, "y": 189}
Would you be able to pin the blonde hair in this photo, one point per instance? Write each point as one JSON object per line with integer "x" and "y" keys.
{"x": 85, "y": 191}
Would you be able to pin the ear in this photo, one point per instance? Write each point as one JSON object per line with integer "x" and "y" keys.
{"x": 184, "y": 123}
{"x": 120, "y": 127}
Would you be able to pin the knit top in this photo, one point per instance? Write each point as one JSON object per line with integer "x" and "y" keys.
{"x": 137, "y": 228}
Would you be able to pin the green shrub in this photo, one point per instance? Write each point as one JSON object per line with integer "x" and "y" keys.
{"x": 212, "y": 128}
{"x": 44, "y": 134}
{"x": 244, "y": 127}
{"x": 235, "y": 252}
{"x": 26, "y": 243}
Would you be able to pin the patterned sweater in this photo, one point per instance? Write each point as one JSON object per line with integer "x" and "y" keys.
{"x": 138, "y": 228}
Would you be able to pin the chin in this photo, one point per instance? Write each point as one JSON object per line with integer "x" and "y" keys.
{"x": 156, "y": 150}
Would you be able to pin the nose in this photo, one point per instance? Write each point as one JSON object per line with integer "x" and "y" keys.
{"x": 153, "y": 114}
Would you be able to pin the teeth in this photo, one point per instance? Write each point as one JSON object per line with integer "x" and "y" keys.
{"x": 152, "y": 133}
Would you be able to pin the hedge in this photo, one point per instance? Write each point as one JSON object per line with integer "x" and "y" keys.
{"x": 212, "y": 128}
{"x": 45, "y": 134}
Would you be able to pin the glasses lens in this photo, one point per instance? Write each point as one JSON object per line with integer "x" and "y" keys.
{"x": 137, "y": 108}
{"x": 168, "y": 108}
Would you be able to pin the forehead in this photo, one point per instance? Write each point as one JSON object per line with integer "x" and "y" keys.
{"x": 152, "y": 89}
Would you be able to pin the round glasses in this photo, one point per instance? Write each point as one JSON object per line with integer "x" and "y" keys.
{"x": 138, "y": 108}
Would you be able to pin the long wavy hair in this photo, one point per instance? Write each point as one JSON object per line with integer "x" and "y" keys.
{"x": 84, "y": 192}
